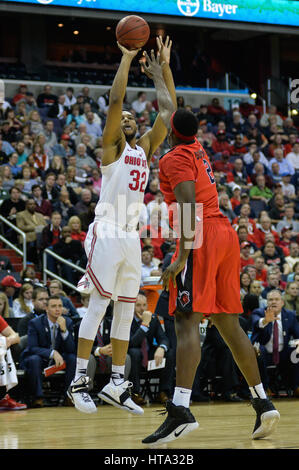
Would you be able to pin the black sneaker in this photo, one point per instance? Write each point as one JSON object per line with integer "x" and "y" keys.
{"x": 267, "y": 418}
{"x": 179, "y": 422}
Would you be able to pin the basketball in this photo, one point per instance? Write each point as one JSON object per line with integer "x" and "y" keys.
{"x": 132, "y": 32}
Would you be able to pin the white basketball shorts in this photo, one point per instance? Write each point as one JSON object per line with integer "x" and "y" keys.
{"x": 114, "y": 262}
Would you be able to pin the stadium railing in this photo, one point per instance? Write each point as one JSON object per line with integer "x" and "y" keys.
{"x": 23, "y": 253}
{"x": 47, "y": 271}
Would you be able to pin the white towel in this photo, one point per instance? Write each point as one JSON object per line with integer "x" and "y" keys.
{"x": 8, "y": 373}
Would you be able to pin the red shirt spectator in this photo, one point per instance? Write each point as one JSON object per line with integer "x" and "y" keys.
{"x": 245, "y": 258}
{"x": 221, "y": 145}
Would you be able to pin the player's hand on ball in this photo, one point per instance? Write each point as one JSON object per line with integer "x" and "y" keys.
{"x": 130, "y": 53}
{"x": 171, "y": 273}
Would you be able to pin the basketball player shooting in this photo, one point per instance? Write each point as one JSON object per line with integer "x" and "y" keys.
{"x": 203, "y": 281}
{"x": 112, "y": 244}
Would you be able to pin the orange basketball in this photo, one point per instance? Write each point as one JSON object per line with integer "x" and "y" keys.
{"x": 132, "y": 32}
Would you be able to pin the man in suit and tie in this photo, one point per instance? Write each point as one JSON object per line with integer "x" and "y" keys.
{"x": 50, "y": 342}
{"x": 273, "y": 328}
{"x": 148, "y": 341}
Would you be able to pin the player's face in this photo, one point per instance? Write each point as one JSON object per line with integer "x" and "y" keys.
{"x": 128, "y": 125}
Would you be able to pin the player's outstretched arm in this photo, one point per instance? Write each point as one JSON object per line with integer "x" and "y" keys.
{"x": 153, "y": 138}
{"x": 112, "y": 134}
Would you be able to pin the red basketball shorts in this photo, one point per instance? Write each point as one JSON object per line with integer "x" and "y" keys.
{"x": 210, "y": 282}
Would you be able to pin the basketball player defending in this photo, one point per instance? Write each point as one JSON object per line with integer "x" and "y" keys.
{"x": 112, "y": 243}
{"x": 203, "y": 281}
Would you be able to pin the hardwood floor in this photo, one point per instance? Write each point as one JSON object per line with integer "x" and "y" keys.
{"x": 222, "y": 426}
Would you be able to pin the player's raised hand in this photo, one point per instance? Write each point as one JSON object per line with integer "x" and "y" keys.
{"x": 152, "y": 66}
{"x": 164, "y": 48}
{"x": 130, "y": 53}
{"x": 171, "y": 273}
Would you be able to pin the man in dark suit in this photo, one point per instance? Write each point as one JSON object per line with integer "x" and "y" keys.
{"x": 50, "y": 342}
{"x": 40, "y": 298}
{"x": 147, "y": 342}
{"x": 273, "y": 328}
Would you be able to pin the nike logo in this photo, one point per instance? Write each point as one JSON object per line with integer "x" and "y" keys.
{"x": 176, "y": 434}
{"x": 184, "y": 392}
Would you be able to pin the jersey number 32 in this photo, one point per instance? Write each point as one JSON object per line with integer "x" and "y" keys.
{"x": 138, "y": 181}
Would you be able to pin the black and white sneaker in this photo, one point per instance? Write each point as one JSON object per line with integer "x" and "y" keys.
{"x": 78, "y": 393}
{"x": 267, "y": 418}
{"x": 119, "y": 396}
{"x": 179, "y": 422}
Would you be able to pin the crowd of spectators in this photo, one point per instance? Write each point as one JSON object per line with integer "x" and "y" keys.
{"x": 50, "y": 182}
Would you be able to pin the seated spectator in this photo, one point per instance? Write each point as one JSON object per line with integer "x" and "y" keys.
{"x": 139, "y": 104}
{"x": 260, "y": 192}
{"x": 13, "y": 165}
{"x": 48, "y": 132}
{"x": 8, "y": 376}
{"x": 158, "y": 204}
{"x": 5, "y": 309}
{"x": 253, "y": 156}
{"x": 291, "y": 297}
{"x": 148, "y": 267}
{"x": 28, "y": 275}
{"x": 263, "y": 227}
{"x": 153, "y": 188}
{"x": 32, "y": 223}
{"x": 63, "y": 149}
{"x": 293, "y": 156}
{"x": 40, "y": 157}
{"x": 236, "y": 199}
{"x": 277, "y": 211}
{"x": 75, "y": 115}
{"x": 272, "y": 256}
{"x": 39, "y": 298}
{"x": 44, "y": 349}
{"x": 221, "y": 144}
{"x": 292, "y": 259}
{"x": 93, "y": 128}
{"x": 248, "y": 213}
{"x": 27, "y": 180}
{"x": 9, "y": 286}
{"x": 35, "y": 122}
{"x": 288, "y": 189}
{"x": 256, "y": 289}
{"x": 245, "y": 257}
{"x": 56, "y": 166}
{"x": 245, "y": 282}
{"x": 86, "y": 199}
{"x": 149, "y": 342}
{"x": 70, "y": 250}
{"x": 64, "y": 206}
{"x": 216, "y": 110}
{"x": 46, "y": 99}
{"x": 83, "y": 161}
{"x": 55, "y": 288}
{"x": 49, "y": 190}
{"x": 225, "y": 207}
{"x": 240, "y": 174}
{"x": 272, "y": 329}
{"x": 286, "y": 239}
{"x": 7, "y": 179}
{"x": 87, "y": 218}
{"x": 272, "y": 112}
{"x": 260, "y": 169}
{"x": 96, "y": 178}
{"x": 51, "y": 232}
{"x": 62, "y": 184}
{"x": 276, "y": 143}
{"x": 43, "y": 206}
{"x": 23, "y": 304}
{"x": 76, "y": 232}
{"x": 239, "y": 147}
{"x": 72, "y": 180}
{"x": 284, "y": 164}
{"x": 21, "y": 152}
{"x": 261, "y": 272}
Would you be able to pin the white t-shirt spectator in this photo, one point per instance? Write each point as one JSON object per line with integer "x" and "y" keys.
{"x": 293, "y": 159}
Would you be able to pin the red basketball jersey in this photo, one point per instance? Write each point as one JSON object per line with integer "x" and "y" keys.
{"x": 189, "y": 162}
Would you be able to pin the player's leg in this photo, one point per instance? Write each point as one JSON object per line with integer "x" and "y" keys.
{"x": 228, "y": 325}
{"x": 116, "y": 392}
{"x": 78, "y": 390}
{"x": 243, "y": 352}
{"x": 180, "y": 421}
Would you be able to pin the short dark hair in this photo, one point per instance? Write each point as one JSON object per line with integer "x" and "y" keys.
{"x": 37, "y": 291}
{"x": 54, "y": 297}
{"x": 185, "y": 122}
{"x": 34, "y": 186}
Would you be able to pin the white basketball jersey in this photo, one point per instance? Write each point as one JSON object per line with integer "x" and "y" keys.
{"x": 123, "y": 185}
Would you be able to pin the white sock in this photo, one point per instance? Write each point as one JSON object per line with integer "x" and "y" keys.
{"x": 181, "y": 397}
{"x": 257, "y": 391}
{"x": 117, "y": 374}
{"x": 81, "y": 367}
